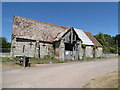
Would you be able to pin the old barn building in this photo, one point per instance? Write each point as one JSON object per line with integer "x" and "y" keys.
{"x": 86, "y": 51}
{"x": 97, "y": 48}
{"x": 42, "y": 40}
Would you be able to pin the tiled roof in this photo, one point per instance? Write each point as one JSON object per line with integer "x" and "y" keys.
{"x": 37, "y": 30}
{"x": 42, "y": 31}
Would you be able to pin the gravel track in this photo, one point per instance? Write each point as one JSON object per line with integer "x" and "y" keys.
{"x": 67, "y": 75}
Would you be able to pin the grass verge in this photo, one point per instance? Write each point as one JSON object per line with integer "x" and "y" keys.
{"x": 108, "y": 80}
{"x": 47, "y": 60}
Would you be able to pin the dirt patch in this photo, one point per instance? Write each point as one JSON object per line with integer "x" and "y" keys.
{"x": 109, "y": 80}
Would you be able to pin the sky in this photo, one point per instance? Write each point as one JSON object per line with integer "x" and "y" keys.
{"x": 94, "y": 17}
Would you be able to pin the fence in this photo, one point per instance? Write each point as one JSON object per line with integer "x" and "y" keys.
{"x": 4, "y": 54}
{"x": 110, "y": 55}
{"x": 5, "y": 50}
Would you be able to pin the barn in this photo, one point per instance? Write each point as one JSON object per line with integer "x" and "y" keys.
{"x": 87, "y": 50}
{"x": 38, "y": 39}
{"x": 97, "y": 48}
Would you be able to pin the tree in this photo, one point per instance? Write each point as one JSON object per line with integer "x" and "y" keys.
{"x": 117, "y": 42}
{"x": 4, "y": 45}
{"x": 108, "y": 42}
{"x": 100, "y": 37}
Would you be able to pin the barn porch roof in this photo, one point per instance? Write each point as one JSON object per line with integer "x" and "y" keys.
{"x": 92, "y": 38}
{"x": 83, "y": 37}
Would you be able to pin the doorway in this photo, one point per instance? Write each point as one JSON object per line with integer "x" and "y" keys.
{"x": 71, "y": 51}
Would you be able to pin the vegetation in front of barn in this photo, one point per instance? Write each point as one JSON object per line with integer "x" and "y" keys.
{"x": 15, "y": 62}
{"x": 32, "y": 60}
{"x": 91, "y": 59}
{"x": 45, "y": 61}
{"x": 10, "y": 62}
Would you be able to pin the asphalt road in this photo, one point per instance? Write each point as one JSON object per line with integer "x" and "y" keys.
{"x": 68, "y": 75}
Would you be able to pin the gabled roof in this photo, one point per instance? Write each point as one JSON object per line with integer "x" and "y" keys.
{"x": 37, "y": 30}
{"x": 92, "y": 38}
{"x": 83, "y": 37}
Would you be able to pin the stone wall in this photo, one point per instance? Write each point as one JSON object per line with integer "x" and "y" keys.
{"x": 59, "y": 50}
{"x": 109, "y": 55}
{"x": 80, "y": 51}
{"x": 24, "y": 48}
{"x": 99, "y": 52}
{"x": 45, "y": 50}
{"x": 89, "y": 51}
{"x": 62, "y": 50}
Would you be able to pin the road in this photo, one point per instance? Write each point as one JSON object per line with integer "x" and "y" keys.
{"x": 67, "y": 75}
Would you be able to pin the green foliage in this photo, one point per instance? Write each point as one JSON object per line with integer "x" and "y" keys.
{"x": 110, "y": 43}
{"x": 5, "y": 59}
{"x": 83, "y": 46}
{"x": 4, "y": 44}
{"x": 106, "y": 49}
{"x": 100, "y": 37}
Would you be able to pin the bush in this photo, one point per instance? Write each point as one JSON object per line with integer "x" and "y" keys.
{"x": 83, "y": 46}
{"x": 113, "y": 50}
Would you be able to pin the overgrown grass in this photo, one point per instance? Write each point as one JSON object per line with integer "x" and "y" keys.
{"x": 45, "y": 61}
{"x": 91, "y": 59}
{"x": 108, "y": 80}
{"x": 97, "y": 58}
{"x": 6, "y": 59}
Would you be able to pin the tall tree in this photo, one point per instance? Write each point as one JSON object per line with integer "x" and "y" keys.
{"x": 117, "y": 42}
{"x": 108, "y": 42}
{"x": 100, "y": 37}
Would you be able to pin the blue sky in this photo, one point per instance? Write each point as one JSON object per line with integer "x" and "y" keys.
{"x": 89, "y": 16}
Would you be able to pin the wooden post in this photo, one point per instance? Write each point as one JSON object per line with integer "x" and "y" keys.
{"x": 84, "y": 51}
{"x": 24, "y": 61}
{"x": 78, "y": 50}
{"x": 71, "y": 36}
{"x": 84, "y": 54}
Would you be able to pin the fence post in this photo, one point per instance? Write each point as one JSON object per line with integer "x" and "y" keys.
{"x": 26, "y": 61}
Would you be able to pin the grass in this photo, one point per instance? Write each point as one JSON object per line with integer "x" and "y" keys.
{"x": 47, "y": 60}
{"x": 108, "y": 80}
{"x": 90, "y": 59}
{"x": 6, "y": 59}
{"x": 34, "y": 60}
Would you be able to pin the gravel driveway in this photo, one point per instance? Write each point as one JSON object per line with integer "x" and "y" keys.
{"x": 67, "y": 75}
